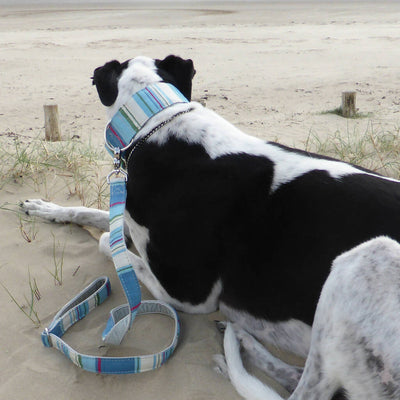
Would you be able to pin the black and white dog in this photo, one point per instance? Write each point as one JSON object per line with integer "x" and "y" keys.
{"x": 223, "y": 220}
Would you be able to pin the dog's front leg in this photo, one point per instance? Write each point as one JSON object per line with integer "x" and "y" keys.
{"x": 141, "y": 269}
{"x": 76, "y": 215}
{"x": 84, "y": 216}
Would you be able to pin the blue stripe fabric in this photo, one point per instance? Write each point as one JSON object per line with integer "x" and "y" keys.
{"x": 108, "y": 365}
{"x": 124, "y": 269}
{"x": 133, "y": 115}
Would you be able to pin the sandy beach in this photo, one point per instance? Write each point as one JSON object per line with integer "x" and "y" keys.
{"x": 270, "y": 68}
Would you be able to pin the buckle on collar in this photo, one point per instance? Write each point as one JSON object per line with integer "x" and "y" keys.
{"x": 117, "y": 158}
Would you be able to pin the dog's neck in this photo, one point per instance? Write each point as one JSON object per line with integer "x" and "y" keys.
{"x": 137, "y": 111}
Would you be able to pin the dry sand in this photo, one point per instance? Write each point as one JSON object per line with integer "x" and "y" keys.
{"x": 269, "y": 68}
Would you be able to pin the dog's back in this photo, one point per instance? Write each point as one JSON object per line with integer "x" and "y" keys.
{"x": 265, "y": 219}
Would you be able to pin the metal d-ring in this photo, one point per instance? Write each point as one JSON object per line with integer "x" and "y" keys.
{"x": 112, "y": 148}
{"x": 116, "y": 172}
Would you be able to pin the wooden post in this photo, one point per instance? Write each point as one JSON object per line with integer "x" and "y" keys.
{"x": 51, "y": 123}
{"x": 348, "y": 104}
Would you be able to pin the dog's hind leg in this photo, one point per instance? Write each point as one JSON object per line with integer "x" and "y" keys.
{"x": 287, "y": 375}
{"x": 312, "y": 386}
{"x": 292, "y": 336}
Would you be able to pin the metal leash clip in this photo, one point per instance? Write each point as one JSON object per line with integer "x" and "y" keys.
{"x": 117, "y": 166}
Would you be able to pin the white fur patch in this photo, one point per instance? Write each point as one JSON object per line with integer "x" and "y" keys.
{"x": 141, "y": 72}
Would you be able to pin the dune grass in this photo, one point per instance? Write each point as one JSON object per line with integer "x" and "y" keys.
{"x": 376, "y": 148}
{"x": 338, "y": 111}
{"x": 29, "y": 309}
{"x": 79, "y": 167}
{"x": 71, "y": 167}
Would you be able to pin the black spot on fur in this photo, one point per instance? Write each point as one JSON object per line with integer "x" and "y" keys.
{"x": 340, "y": 395}
{"x": 374, "y": 362}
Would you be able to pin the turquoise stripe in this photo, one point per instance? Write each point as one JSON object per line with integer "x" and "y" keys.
{"x": 125, "y": 269}
{"x": 114, "y": 234}
{"x": 89, "y": 363}
{"x": 61, "y": 326}
{"x": 118, "y": 249}
{"x": 141, "y": 101}
{"x": 152, "y": 101}
{"x": 158, "y": 102}
{"x": 115, "y": 253}
{"x": 161, "y": 93}
{"x": 130, "y": 119}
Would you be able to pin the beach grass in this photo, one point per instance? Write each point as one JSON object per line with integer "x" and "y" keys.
{"x": 338, "y": 111}
{"x": 27, "y": 227}
{"x": 29, "y": 309}
{"x": 58, "y": 261}
{"x": 375, "y": 148}
{"x": 73, "y": 166}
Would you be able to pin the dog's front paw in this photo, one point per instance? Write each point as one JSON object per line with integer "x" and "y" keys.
{"x": 42, "y": 209}
{"x": 104, "y": 244}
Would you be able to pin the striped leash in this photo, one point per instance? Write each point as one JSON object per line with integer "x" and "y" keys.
{"x": 121, "y": 317}
{"x": 120, "y": 133}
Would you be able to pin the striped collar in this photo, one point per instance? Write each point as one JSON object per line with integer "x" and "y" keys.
{"x": 121, "y": 131}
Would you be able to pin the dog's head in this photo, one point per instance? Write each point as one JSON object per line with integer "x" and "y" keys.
{"x": 116, "y": 82}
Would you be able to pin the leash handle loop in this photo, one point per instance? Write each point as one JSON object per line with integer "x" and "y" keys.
{"x": 76, "y": 309}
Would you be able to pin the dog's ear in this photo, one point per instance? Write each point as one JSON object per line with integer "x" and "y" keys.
{"x": 106, "y": 80}
{"x": 178, "y": 72}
